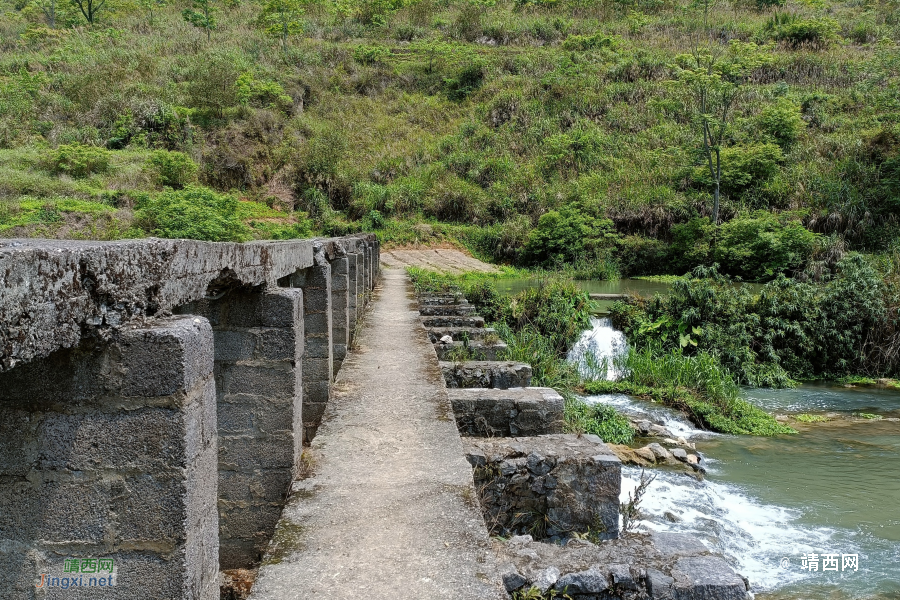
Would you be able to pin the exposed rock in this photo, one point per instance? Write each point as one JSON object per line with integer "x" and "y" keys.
{"x": 659, "y": 585}
{"x": 446, "y": 340}
{"x": 546, "y": 578}
{"x": 512, "y": 580}
{"x": 621, "y": 577}
{"x": 693, "y": 459}
{"x": 647, "y": 454}
{"x": 660, "y": 431}
{"x": 644, "y": 426}
{"x": 702, "y": 577}
{"x": 680, "y": 454}
{"x": 659, "y": 452}
{"x": 591, "y": 581}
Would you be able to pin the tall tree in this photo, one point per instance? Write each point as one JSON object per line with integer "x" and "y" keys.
{"x": 282, "y": 18}
{"x": 201, "y": 15}
{"x": 89, "y": 8}
{"x": 711, "y": 79}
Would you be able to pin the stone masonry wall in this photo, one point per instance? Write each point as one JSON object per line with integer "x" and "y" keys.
{"x": 109, "y": 451}
{"x": 258, "y": 366}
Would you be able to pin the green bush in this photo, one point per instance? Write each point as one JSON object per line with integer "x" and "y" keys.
{"x": 760, "y": 246}
{"x": 692, "y": 244}
{"x": 590, "y": 42}
{"x": 173, "y": 169}
{"x": 796, "y": 31}
{"x": 599, "y": 419}
{"x": 788, "y": 330}
{"x": 782, "y": 122}
{"x": 196, "y": 213}
{"x": 743, "y": 166}
{"x": 466, "y": 81}
{"x": 567, "y": 234}
{"x": 367, "y": 55}
{"x": 77, "y": 160}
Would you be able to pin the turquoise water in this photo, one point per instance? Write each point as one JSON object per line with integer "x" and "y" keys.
{"x": 832, "y": 488}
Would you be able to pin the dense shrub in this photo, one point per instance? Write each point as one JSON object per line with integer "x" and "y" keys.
{"x": 77, "y": 160}
{"x": 762, "y": 245}
{"x": 782, "y": 122}
{"x": 466, "y": 81}
{"x": 797, "y": 31}
{"x": 195, "y": 213}
{"x": 743, "y": 166}
{"x": 569, "y": 233}
{"x": 790, "y": 329}
{"x": 173, "y": 169}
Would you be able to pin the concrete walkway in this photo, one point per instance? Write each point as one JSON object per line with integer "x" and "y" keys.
{"x": 390, "y": 511}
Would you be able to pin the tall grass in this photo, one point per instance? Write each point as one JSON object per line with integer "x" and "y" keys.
{"x": 697, "y": 385}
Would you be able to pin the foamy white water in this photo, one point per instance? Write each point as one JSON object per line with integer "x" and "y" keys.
{"x": 598, "y": 348}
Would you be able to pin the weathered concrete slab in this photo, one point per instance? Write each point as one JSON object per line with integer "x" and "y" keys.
{"x": 512, "y": 412}
{"x": 458, "y": 333}
{"x": 459, "y": 310}
{"x": 443, "y": 299}
{"x": 558, "y": 485}
{"x": 53, "y": 292}
{"x": 452, "y": 321}
{"x": 390, "y": 511}
{"x": 476, "y": 349}
{"x": 486, "y": 374}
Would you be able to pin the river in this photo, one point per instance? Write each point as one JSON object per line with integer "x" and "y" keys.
{"x": 834, "y": 488}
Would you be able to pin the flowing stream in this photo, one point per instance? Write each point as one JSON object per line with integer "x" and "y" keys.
{"x": 834, "y": 488}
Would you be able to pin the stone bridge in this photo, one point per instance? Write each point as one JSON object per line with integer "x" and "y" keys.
{"x": 174, "y": 413}
{"x": 154, "y": 400}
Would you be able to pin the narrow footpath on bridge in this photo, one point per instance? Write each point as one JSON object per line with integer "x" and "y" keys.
{"x": 390, "y": 510}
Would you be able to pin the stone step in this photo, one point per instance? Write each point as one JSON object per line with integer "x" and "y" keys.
{"x": 442, "y": 299}
{"x": 437, "y": 310}
{"x": 486, "y": 374}
{"x": 452, "y": 321}
{"x": 459, "y": 333}
{"x": 485, "y": 412}
{"x": 478, "y": 350}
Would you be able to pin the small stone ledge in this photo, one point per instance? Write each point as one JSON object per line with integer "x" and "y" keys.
{"x": 459, "y": 333}
{"x": 486, "y": 374}
{"x": 450, "y": 310}
{"x": 452, "y": 321}
{"x": 477, "y": 349}
{"x": 658, "y": 566}
{"x": 512, "y": 412}
{"x": 442, "y": 299}
{"x": 551, "y": 485}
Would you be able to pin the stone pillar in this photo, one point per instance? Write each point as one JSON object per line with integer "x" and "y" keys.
{"x": 352, "y": 276}
{"x": 317, "y": 353}
{"x": 340, "y": 309}
{"x": 258, "y": 366}
{"x": 377, "y": 259}
{"x": 109, "y": 452}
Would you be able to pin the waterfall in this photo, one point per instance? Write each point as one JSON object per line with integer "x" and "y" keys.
{"x": 597, "y": 350}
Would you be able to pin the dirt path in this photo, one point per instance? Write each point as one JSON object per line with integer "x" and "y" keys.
{"x": 391, "y": 511}
{"x": 442, "y": 260}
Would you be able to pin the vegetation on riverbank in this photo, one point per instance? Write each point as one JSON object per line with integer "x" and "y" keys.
{"x": 541, "y": 324}
{"x": 696, "y": 385}
{"x": 846, "y": 323}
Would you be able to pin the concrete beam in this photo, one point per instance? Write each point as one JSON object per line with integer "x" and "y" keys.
{"x": 53, "y": 292}
{"x": 110, "y": 452}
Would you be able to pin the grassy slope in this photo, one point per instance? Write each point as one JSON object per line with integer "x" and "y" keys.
{"x": 359, "y": 138}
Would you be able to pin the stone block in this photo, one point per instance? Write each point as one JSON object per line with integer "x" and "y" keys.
{"x": 452, "y": 321}
{"x": 476, "y": 349}
{"x": 486, "y": 374}
{"x": 507, "y": 413}
{"x": 557, "y": 484}
{"x": 437, "y": 310}
{"x": 459, "y": 333}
